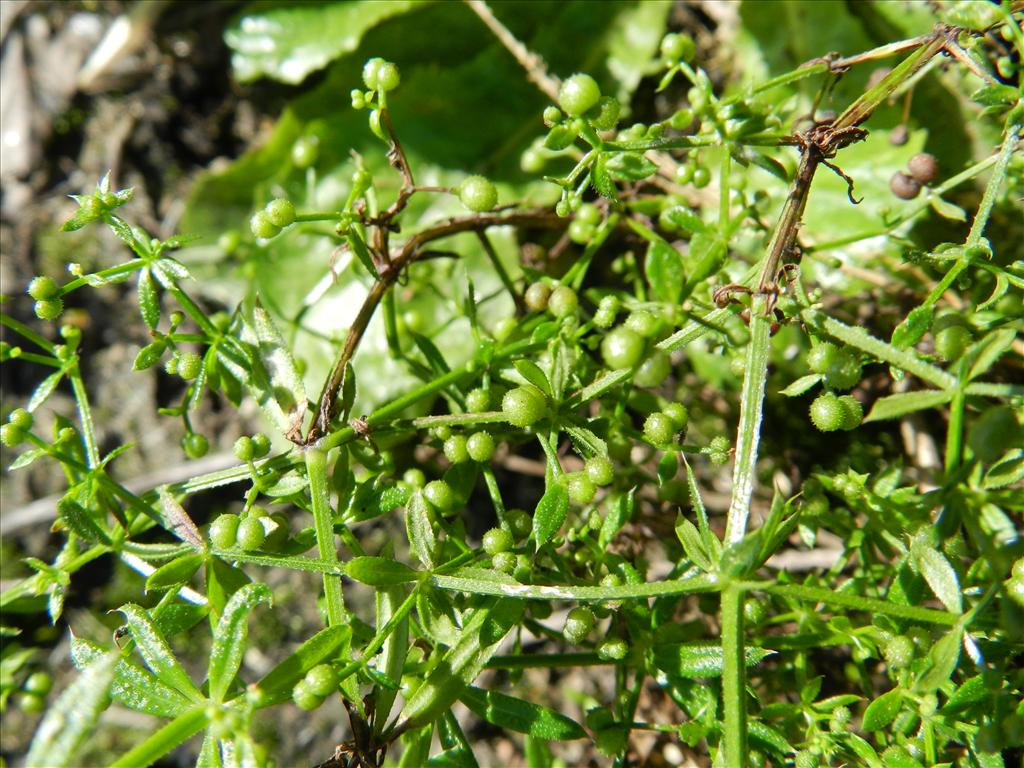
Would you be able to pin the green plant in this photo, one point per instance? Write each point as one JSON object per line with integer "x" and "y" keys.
{"x": 616, "y": 433}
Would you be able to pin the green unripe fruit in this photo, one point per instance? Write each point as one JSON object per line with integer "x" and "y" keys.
{"x": 305, "y": 698}
{"x": 523, "y": 406}
{"x": 563, "y": 301}
{"x": 322, "y": 680}
{"x": 994, "y": 433}
{"x": 821, "y": 358}
{"x": 718, "y": 458}
{"x": 195, "y": 445}
{"x": 370, "y": 72}
{"x": 21, "y": 418}
{"x": 38, "y": 683}
{"x": 678, "y": 47}
{"x": 622, "y": 348}
{"x": 224, "y": 531}
{"x": 701, "y": 177}
{"x": 260, "y": 445}
{"x": 455, "y": 449}
{"x": 480, "y": 446}
{"x": 497, "y": 540}
{"x": 388, "y": 77}
{"x": 853, "y": 412}
{"x": 520, "y": 522}
{"x": 49, "y": 309}
{"x": 720, "y": 444}
{"x": 898, "y": 651}
{"x": 251, "y": 533}
{"x": 653, "y": 371}
{"x": 478, "y": 400}
{"x": 643, "y": 323}
{"x": 590, "y": 214}
{"x": 245, "y": 450}
{"x": 844, "y": 371}
{"x": 31, "y": 703}
{"x": 679, "y": 415}
{"x": 1015, "y": 591}
{"x": 189, "y": 365}
{"x": 280, "y": 212}
{"x": 478, "y": 194}
{"x": 42, "y": 288}
{"x": 414, "y": 477}
{"x": 580, "y": 232}
{"x": 600, "y": 470}
{"x": 614, "y": 649}
{"x": 578, "y": 94}
{"x": 604, "y": 318}
{"x": 951, "y": 342}
{"x": 305, "y": 151}
{"x": 262, "y": 227}
{"x": 12, "y": 435}
{"x": 659, "y": 429}
{"x": 827, "y": 413}
{"x": 537, "y": 295}
{"x": 1017, "y": 570}
{"x": 552, "y": 116}
{"x": 578, "y": 624}
{"x": 580, "y": 487}
{"x": 532, "y": 161}
{"x": 504, "y": 328}
{"x": 505, "y": 562}
{"x": 439, "y": 494}
{"x": 442, "y": 432}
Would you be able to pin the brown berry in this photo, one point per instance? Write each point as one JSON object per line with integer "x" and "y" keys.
{"x": 898, "y": 136}
{"x": 923, "y": 167}
{"x": 904, "y": 187}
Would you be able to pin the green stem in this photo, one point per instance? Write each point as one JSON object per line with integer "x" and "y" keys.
{"x": 323, "y": 520}
{"x": 23, "y": 330}
{"x": 734, "y": 694}
{"x": 858, "y": 603}
{"x": 751, "y": 412}
{"x": 378, "y": 640}
{"x": 547, "y": 661}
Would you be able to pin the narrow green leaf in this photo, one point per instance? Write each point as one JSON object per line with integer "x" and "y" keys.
{"x": 601, "y": 179}
{"x": 174, "y": 573}
{"x": 391, "y": 662}
{"x": 939, "y": 574}
{"x": 599, "y": 386}
{"x": 44, "y": 390}
{"x": 683, "y": 218}
{"x": 133, "y": 686}
{"x": 801, "y": 385}
{"x": 229, "y": 637}
{"x": 883, "y": 710}
{"x": 969, "y": 693}
{"x": 629, "y": 167}
{"x": 149, "y": 300}
{"x": 620, "y": 512}
{"x": 530, "y": 371}
{"x": 946, "y": 209}
{"x": 639, "y": 591}
{"x": 864, "y": 751}
{"x": 72, "y": 717}
{"x": 690, "y": 538}
{"x": 276, "y": 686}
{"x": 379, "y": 571}
{"x": 149, "y": 355}
{"x": 1008, "y": 471}
{"x": 433, "y": 355}
{"x": 358, "y": 247}
{"x": 285, "y": 380}
{"x": 550, "y": 514}
{"x": 521, "y": 716}
{"x": 419, "y": 527}
{"x": 699, "y": 660}
{"x": 894, "y": 406}
{"x": 990, "y": 349}
{"x": 707, "y": 254}
{"x": 157, "y": 653}
{"x": 914, "y": 327}
{"x": 942, "y": 661}
{"x": 176, "y": 732}
{"x": 585, "y": 441}
{"x": 480, "y": 638}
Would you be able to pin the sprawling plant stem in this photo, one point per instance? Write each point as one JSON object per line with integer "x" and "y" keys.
{"x": 323, "y": 521}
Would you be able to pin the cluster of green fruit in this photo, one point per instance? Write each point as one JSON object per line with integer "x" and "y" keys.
{"x": 319, "y": 683}
{"x": 254, "y": 529}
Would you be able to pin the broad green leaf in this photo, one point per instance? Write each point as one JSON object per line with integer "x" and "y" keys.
{"x": 550, "y": 514}
{"x": 133, "y": 686}
{"x": 801, "y": 385}
{"x": 72, "y": 717}
{"x": 436, "y": 616}
{"x": 522, "y": 716}
{"x": 894, "y": 406}
{"x": 157, "y": 653}
{"x": 699, "y": 660}
{"x": 174, "y": 573}
{"x": 229, "y": 637}
{"x": 480, "y": 638}
{"x": 939, "y": 574}
{"x": 419, "y": 527}
{"x": 379, "y": 571}
{"x": 176, "y": 732}
{"x": 664, "y": 270}
{"x": 883, "y": 710}
{"x": 530, "y": 371}
{"x": 288, "y": 42}
{"x": 276, "y": 686}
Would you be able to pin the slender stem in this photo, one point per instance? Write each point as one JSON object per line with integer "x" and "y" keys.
{"x": 500, "y": 271}
{"x": 323, "y": 520}
{"x": 734, "y": 694}
{"x": 23, "y": 330}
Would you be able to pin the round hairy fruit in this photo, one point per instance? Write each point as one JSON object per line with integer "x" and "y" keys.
{"x": 478, "y": 194}
{"x": 439, "y": 494}
{"x": 251, "y": 533}
{"x": 523, "y": 406}
{"x": 224, "y": 531}
{"x": 659, "y": 429}
{"x": 578, "y": 624}
{"x": 827, "y": 413}
{"x": 622, "y": 348}
{"x": 580, "y": 487}
{"x": 322, "y": 679}
{"x": 280, "y": 212}
{"x": 578, "y": 94}
{"x": 563, "y": 301}
{"x": 42, "y": 288}
{"x": 480, "y": 446}
{"x": 497, "y": 540}
{"x": 599, "y": 469}
{"x": 262, "y": 227}
{"x": 537, "y": 295}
